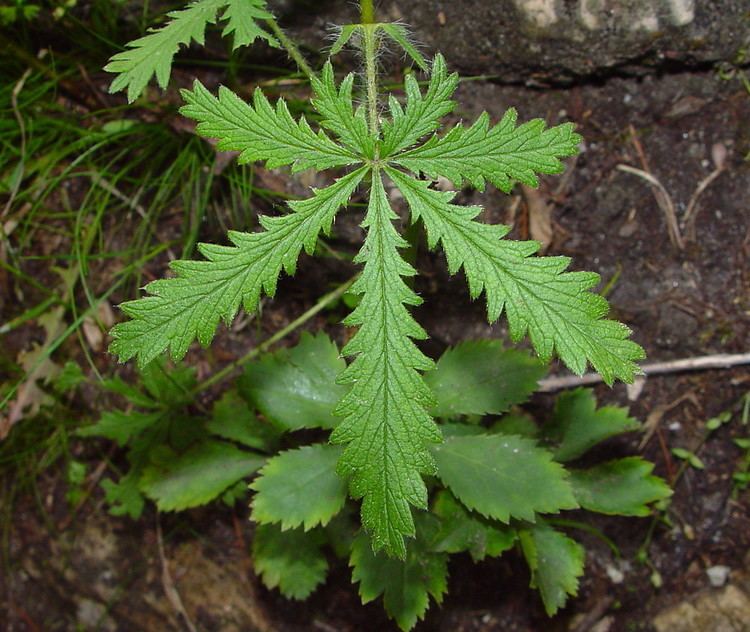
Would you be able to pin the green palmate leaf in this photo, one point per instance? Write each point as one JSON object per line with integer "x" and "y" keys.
{"x": 233, "y": 419}
{"x": 191, "y": 305}
{"x": 503, "y": 477}
{"x": 386, "y": 427}
{"x": 477, "y": 378}
{"x": 555, "y": 561}
{"x": 121, "y": 426}
{"x": 297, "y": 388}
{"x": 422, "y": 113}
{"x": 537, "y": 295}
{"x": 577, "y": 425}
{"x": 242, "y": 22}
{"x": 461, "y": 530}
{"x": 177, "y": 482}
{"x": 154, "y": 53}
{"x": 623, "y": 487}
{"x": 406, "y": 585}
{"x": 291, "y": 561}
{"x": 299, "y": 488}
{"x": 336, "y": 107}
{"x": 123, "y": 497}
{"x": 501, "y": 154}
{"x": 261, "y": 132}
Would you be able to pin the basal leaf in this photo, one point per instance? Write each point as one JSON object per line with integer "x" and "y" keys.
{"x": 121, "y": 426}
{"x": 555, "y": 561}
{"x": 554, "y": 307}
{"x": 577, "y": 425}
{"x": 503, "y": 477}
{"x": 299, "y": 488}
{"x": 233, "y": 419}
{"x": 291, "y": 561}
{"x": 480, "y": 377}
{"x": 461, "y": 530}
{"x": 296, "y": 388}
{"x": 406, "y": 585}
{"x": 176, "y": 482}
{"x": 624, "y": 487}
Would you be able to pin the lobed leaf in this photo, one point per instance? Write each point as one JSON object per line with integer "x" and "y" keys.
{"x": 623, "y": 487}
{"x": 190, "y": 305}
{"x": 261, "y": 131}
{"x": 422, "y": 113}
{"x": 385, "y": 426}
{"x": 480, "y": 377}
{"x": 539, "y": 298}
{"x": 577, "y": 425}
{"x": 291, "y": 561}
{"x": 242, "y": 22}
{"x": 338, "y": 112}
{"x": 503, "y": 477}
{"x": 299, "y": 488}
{"x": 501, "y": 154}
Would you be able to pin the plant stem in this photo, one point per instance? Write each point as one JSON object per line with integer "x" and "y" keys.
{"x": 324, "y": 302}
{"x": 291, "y": 48}
{"x": 371, "y": 76}
{"x": 368, "y": 11}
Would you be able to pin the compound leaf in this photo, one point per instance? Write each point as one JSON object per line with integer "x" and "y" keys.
{"x": 177, "y": 482}
{"x": 261, "y": 131}
{"x": 153, "y": 53}
{"x": 555, "y": 561}
{"x": 190, "y": 305}
{"x": 339, "y": 116}
{"x": 461, "y": 530}
{"x": 406, "y": 585}
{"x": 480, "y": 377}
{"x": 503, "y": 476}
{"x": 242, "y": 17}
{"x": 296, "y": 388}
{"x": 623, "y": 487}
{"x": 537, "y": 295}
{"x": 422, "y": 113}
{"x": 291, "y": 561}
{"x": 501, "y": 154}
{"x": 385, "y": 426}
{"x": 299, "y": 488}
{"x": 577, "y": 425}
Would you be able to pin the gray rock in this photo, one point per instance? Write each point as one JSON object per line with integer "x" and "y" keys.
{"x": 536, "y": 41}
{"x": 726, "y": 610}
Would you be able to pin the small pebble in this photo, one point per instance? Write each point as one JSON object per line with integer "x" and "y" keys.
{"x": 718, "y": 575}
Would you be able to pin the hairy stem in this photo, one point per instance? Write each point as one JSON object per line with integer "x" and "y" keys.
{"x": 324, "y": 302}
{"x": 371, "y": 76}
{"x": 291, "y": 48}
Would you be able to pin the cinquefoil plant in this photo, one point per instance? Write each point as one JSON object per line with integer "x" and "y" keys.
{"x": 501, "y": 475}
{"x": 387, "y": 428}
